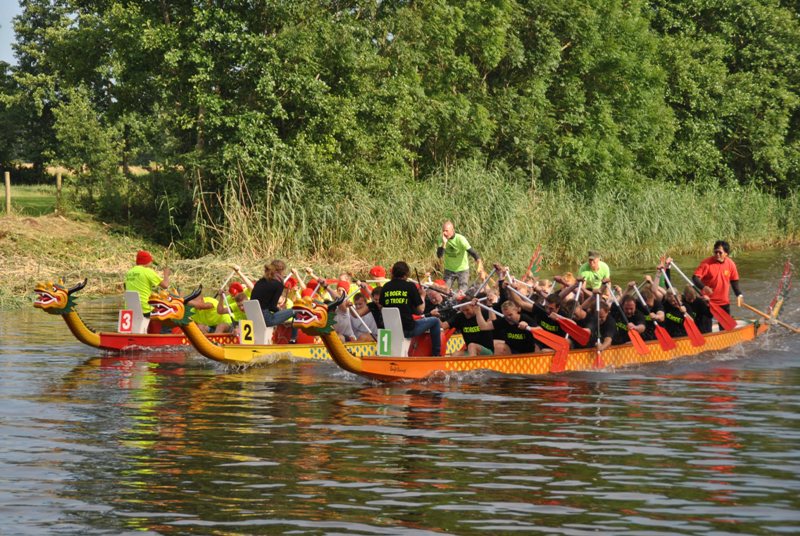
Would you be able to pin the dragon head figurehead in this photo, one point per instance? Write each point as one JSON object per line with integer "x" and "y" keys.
{"x": 56, "y": 298}
{"x": 315, "y": 318}
{"x": 170, "y": 308}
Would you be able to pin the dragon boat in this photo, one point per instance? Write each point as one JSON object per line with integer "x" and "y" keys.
{"x": 170, "y": 309}
{"x": 318, "y": 319}
{"x": 57, "y": 299}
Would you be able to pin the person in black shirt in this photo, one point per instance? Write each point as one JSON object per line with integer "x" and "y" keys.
{"x": 511, "y": 335}
{"x": 607, "y": 327}
{"x": 635, "y": 319}
{"x": 672, "y": 315}
{"x": 650, "y": 312}
{"x": 268, "y": 291}
{"x": 375, "y": 307}
{"x": 698, "y": 308}
{"x": 401, "y": 293}
{"x": 477, "y": 341}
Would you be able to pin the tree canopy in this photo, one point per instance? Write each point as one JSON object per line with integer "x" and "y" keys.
{"x": 272, "y": 101}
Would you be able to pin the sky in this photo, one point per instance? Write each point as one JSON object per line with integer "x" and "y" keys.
{"x": 8, "y": 10}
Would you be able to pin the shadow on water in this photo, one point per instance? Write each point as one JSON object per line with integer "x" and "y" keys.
{"x": 172, "y": 444}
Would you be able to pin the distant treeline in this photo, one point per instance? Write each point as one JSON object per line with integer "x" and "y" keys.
{"x": 269, "y": 119}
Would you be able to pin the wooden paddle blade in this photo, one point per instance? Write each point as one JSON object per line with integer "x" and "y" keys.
{"x": 551, "y": 340}
{"x": 559, "y": 361}
{"x": 723, "y": 317}
{"x": 693, "y": 331}
{"x": 638, "y": 343}
{"x": 578, "y": 334}
{"x": 665, "y": 339}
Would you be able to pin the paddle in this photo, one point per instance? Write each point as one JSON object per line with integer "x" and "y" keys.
{"x": 664, "y": 338}
{"x": 221, "y": 294}
{"x": 768, "y": 317}
{"x": 353, "y": 309}
{"x": 692, "y": 330}
{"x": 598, "y": 359}
{"x": 485, "y": 281}
{"x": 534, "y": 258}
{"x": 550, "y": 339}
{"x": 460, "y": 305}
{"x": 571, "y": 327}
{"x": 723, "y": 317}
{"x": 633, "y": 335}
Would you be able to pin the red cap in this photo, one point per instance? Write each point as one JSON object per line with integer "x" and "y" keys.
{"x": 440, "y": 283}
{"x": 290, "y": 283}
{"x": 312, "y": 284}
{"x": 143, "y": 257}
{"x": 307, "y": 292}
{"x": 235, "y": 288}
{"x": 377, "y": 272}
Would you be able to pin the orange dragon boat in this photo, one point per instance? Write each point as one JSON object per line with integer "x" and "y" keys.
{"x": 317, "y": 319}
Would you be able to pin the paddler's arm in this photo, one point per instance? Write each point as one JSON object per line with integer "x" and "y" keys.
{"x": 238, "y": 270}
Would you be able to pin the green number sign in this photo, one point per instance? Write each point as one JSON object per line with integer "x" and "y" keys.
{"x": 384, "y": 342}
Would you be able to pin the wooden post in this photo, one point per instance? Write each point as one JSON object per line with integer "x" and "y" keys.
{"x": 8, "y": 192}
{"x": 58, "y": 192}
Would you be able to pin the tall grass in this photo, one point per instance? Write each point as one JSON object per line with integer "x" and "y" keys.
{"x": 503, "y": 220}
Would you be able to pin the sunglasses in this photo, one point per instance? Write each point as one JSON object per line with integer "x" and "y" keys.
{"x": 719, "y": 252}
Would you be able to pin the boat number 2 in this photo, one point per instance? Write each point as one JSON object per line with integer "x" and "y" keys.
{"x": 125, "y": 324}
{"x": 384, "y": 342}
{"x": 247, "y": 336}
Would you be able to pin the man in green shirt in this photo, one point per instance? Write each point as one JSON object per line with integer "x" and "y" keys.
{"x": 143, "y": 279}
{"x": 455, "y": 248}
{"x": 595, "y": 272}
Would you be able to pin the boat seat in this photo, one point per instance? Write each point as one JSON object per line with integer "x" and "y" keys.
{"x": 392, "y": 322}
{"x": 132, "y": 302}
{"x": 262, "y": 334}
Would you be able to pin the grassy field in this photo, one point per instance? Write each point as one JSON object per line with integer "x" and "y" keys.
{"x": 31, "y": 200}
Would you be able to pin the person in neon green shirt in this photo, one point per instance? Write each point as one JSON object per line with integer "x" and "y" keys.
{"x": 595, "y": 272}
{"x": 207, "y": 318}
{"x": 143, "y": 279}
{"x": 232, "y": 303}
{"x": 455, "y": 248}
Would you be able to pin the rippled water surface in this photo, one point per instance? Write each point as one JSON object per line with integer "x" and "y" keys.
{"x": 170, "y": 443}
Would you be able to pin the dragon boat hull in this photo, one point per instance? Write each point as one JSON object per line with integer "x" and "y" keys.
{"x": 418, "y": 368}
{"x": 128, "y": 342}
{"x": 247, "y": 355}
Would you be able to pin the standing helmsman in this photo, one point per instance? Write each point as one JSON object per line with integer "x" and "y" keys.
{"x": 455, "y": 248}
{"x": 717, "y": 275}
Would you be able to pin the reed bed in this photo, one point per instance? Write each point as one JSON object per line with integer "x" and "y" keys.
{"x": 505, "y": 221}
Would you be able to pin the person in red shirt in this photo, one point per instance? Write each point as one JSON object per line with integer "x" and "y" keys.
{"x": 717, "y": 275}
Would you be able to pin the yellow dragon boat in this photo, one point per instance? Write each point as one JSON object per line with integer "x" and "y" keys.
{"x": 169, "y": 308}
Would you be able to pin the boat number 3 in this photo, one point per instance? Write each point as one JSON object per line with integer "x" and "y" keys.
{"x": 125, "y": 324}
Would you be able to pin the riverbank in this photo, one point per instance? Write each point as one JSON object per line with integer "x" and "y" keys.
{"x": 74, "y": 247}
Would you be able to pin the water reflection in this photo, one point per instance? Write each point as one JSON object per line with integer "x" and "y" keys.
{"x": 171, "y": 444}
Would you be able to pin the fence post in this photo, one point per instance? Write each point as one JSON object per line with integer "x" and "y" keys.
{"x": 58, "y": 193}
{"x": 8, "y": 192}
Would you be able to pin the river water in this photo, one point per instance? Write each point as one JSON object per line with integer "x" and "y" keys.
{"x": 172, "y": 444}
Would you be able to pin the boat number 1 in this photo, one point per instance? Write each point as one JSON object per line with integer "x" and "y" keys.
{"x": 247, "y": 336}
{"x": 125, "y": 324}
{"x": 384, "y": 342}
